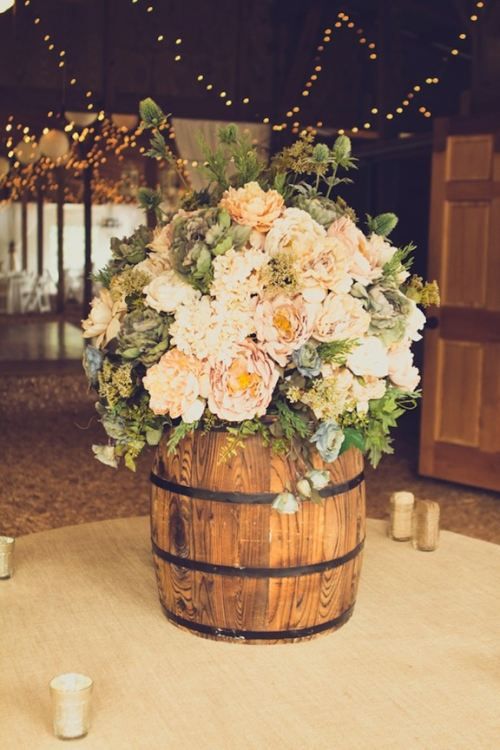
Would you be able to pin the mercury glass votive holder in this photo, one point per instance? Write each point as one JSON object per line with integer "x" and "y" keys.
{"x": 6, "y": 556}
{"x": 71, "y": 693}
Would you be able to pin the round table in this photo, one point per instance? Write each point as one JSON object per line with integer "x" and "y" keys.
{"x": 416, "y": 666}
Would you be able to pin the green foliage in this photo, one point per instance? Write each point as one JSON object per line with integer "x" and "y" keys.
{"x": 178, "y": 433}
{"x": 150, "y": 200}
{"x": 383, "y": 224}
{"x": 130, "y": 250}
{"x": 353, "y": 438}
{"x": 159, "y": 149}
{"x": 200, "y": 237}
{"x": 151, "y": 114}
{"x": 143, "y": 336}
{"x": 103, "y": 276}
{"x": 131, "y": 425}
{"x": 423, "y": 293}
{"x": 383, "y": 415}
{"x": 293, "y": 424}
{"x": 115, "y": 382}
{"x": 237, "y": 436}
{"x": 336, "y": 352}
{"x": 402, "y": 260}
{"x": 234, "y": 161}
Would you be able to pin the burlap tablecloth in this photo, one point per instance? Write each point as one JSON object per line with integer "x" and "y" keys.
{"x": 416, "y": 667}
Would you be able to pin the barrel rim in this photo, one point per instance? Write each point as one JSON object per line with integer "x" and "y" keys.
{"x": 257, "y": 498}
{"x": 257, "y": 572}
{"x": 260, "y": 635}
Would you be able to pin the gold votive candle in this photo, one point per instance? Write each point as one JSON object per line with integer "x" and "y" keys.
{"x": 425, "y": 531}
{"x": 71, "y": 694}
{"x": 400, "y": 524}
{"x": 6, "y": 556}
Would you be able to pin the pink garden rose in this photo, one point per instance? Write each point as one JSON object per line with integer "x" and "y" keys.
{"x": 252, "y": 206}
{"x": 243, "y": 388}
{"x": 283, "y": 324}
{"x": 175, "y": 385}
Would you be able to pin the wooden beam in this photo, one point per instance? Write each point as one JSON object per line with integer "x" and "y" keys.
{"x": 87, "y": 220}
{"x": 24, "y": 232}
{"x": 39, "y": 231}
{"x": 60, "y": 241}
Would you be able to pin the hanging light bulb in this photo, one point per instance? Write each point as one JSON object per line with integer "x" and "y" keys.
{"x": 27, "y": 152}
{"x": 6, "y": 5}
{"x": 54, "y": 144}
{"x": 81, "y": 119}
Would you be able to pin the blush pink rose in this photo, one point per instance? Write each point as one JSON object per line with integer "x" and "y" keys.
{"x": 283, "y": 324}
{"x": 243, "y": 388}
{"x": 175, "y": 385}
{"x": 252, "y": 206}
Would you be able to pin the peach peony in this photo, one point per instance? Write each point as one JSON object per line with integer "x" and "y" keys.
{"x": 175, "y": 385}
{"x": 252, "y": 206}
{"x": 341, "y": 317}
{"x": 104, "y": 319}
{"x": 243, "y": 388}
{"x": 283, "y": 324}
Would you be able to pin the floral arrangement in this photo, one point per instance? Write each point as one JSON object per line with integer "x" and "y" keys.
{"x": 260, "y": 307}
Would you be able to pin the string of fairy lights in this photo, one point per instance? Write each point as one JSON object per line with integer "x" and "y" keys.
{"x": 112, "y": 138}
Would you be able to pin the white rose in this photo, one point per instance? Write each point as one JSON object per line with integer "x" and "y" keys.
{"x": 367, "y": 390}
{"x": 369, "y": 358}
{"x": 415, "y": 321}
{"x": 402, "y": 372}
{"x": 167, "y": 291}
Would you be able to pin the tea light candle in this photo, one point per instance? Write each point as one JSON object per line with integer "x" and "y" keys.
{"x": 426, "y": 525}
{"x": 70, "y": 694}
{"x": 401, "y": 516}
{"x": 6, "y": 556}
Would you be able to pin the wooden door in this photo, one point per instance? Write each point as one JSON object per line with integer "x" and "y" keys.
{"x": 460, "y": 436}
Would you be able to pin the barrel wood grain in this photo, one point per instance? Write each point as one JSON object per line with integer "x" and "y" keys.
{"x": 250, "y": 535}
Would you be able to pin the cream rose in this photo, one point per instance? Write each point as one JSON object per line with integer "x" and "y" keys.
{"x": 243, "y": 388}
{"x": 175, "y": 385}
{"x": 368, "y": 255}
{"x": 296, "y": 233}
{"x": 252, "y": 206}
{"x": 369, "y": 357}
{"x": 167, "y": 291}
{"x": 341, "y": 317}
{"x": 104, "y": 319}
{"x": 366, "y": 390}
{"x": 283, "y": 324}
{"x": 415, "y": 321}
{"x": 326, "y": 270}
{"x": 402, "y": 371}
{"x": 162, "y": 239}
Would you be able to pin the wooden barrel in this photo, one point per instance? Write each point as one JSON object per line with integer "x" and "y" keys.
{"x": 230, "y": 567}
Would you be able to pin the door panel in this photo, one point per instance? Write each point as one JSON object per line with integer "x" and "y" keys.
{"x": 460, "y": 436}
